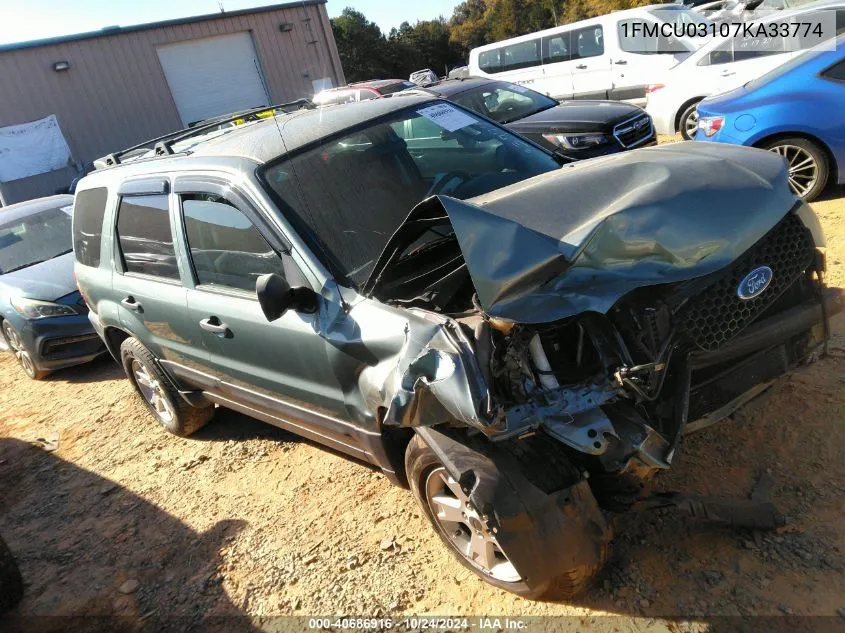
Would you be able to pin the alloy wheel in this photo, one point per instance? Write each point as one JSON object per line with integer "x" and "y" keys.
{"x": 152, "y": 392}
{"x": 17, "y": 348}
{"x": 463, "y": 526}
{"x": 691, "y": 125}
{"x": 803, "y": 169}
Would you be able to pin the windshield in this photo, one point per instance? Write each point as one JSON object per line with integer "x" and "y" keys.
{"x": 504, "y": 102}
{"x": 34, "y": 238}
{"x": 348, "y": 195}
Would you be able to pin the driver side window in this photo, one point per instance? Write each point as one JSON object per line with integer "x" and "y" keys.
{"x": 225, "y": 247}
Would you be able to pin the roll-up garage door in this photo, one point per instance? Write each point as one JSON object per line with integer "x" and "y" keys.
{"x": 213, "y": 76}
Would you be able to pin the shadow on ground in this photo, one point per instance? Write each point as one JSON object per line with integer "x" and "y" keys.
{"x": 138, "y": 560}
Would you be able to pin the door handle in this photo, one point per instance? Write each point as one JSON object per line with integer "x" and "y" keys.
{"x": 727, "y": 73}
{"x": 620, "y": 62}
{"x": 581, "y": 66}
{"x": 130, "y": 304}
{"x": 215, "y": 326}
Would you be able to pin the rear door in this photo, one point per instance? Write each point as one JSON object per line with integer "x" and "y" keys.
{"x": 148, "y": 283}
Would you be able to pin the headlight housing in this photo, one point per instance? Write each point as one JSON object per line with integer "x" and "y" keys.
{"x": 710, "y": 124}
{"x": 35, "y": 309}
{"x": 577, "y": 141}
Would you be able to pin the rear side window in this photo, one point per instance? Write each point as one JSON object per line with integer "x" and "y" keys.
{"x": 587, "y": 42}
{"x": 89, "y": 207}
{"x": 556, "y": 48}
{"x": 522, "y": 55}
{"x": 146, "y": 241}
{"x": 226, "y": 248}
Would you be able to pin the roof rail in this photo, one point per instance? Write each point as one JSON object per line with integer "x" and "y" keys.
{"x": 163, "y": 145}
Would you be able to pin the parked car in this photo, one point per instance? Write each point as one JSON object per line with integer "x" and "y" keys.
{"x": 796, "y": 111}
{"x": 720, "y": 66}
{"x": 360, "y": 91}
{"x": 518, "y": 339}
{"x": 608, "y": 57}
{"x": 575, "y": 129}
{"x": 43, "y": 318}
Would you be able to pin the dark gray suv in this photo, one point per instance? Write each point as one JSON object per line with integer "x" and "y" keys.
{"x": 410, "y": 283}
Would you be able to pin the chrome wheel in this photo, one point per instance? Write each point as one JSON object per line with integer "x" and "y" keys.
{"x": 152, "y": 392}
{"x": 803, "y": 168}
{"x": 17, "y": 348}
{"x": 690, "y": 125}
{"x": 463, "y": 527}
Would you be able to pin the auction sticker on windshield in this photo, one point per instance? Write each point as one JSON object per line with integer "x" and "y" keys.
{"x": 446, "y": 116}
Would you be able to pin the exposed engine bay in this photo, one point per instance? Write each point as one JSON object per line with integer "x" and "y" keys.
{"x": 617, "y": 390}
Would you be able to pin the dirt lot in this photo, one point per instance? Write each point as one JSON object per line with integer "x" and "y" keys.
{"x": 246, "y": 519}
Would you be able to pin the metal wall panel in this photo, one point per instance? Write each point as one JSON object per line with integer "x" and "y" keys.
{"x": 115, "y": 94}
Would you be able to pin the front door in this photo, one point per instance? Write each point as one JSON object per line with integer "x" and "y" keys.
{"x": 279, "y": 369}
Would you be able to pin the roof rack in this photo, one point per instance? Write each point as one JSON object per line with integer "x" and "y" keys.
{"x": 163, "y": 145}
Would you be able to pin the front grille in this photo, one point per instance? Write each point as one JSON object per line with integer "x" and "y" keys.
{"x": 633, "y": 131}
{"x": 717, "y": 315}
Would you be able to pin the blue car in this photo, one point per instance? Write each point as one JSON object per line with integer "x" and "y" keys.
{"x": 796, "y": 110}
{"x": 43, "y": 318}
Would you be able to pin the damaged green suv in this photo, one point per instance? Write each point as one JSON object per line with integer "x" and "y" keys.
{"x": 523, "y": 342}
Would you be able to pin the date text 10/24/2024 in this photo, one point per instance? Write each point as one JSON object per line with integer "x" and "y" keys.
{"x": 419, "y": 624}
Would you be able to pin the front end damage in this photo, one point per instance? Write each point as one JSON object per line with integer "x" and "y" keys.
{"x": 591, "y": 317}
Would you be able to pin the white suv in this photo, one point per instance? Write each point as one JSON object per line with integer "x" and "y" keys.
{"x": 720, "y": 66}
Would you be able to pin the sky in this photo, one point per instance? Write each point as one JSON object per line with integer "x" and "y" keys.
{"x": 36, "y": 19}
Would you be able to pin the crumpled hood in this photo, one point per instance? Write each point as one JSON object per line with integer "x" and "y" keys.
{"x": 47, "y": 281}
{"x": 580, "y": 238}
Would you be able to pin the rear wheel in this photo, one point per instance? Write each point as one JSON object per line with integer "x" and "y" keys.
{"x": 158, "y": 393}
{"x": 688, "y": 122}
{"x": 808, "y": 165}
{"x": 458, "y": 524}
{"x": 17, "y": 347}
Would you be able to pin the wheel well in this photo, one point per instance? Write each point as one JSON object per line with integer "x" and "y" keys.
{"x": 683, "y": 107}
{"x": 831, "y": 159}
{"x": 114, "y": 339}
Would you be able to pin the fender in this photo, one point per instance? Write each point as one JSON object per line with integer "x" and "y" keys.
{"x": 541, "y": 533}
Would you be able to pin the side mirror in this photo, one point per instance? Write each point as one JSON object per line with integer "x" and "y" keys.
{"x": 275, "y": 296}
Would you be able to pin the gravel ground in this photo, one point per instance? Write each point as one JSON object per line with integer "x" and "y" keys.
{"x": 108, "y": 515}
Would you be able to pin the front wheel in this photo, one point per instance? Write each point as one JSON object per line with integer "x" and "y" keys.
{"x": 688, "y": 122}
{"x": 808, "y": 165}
{"x": 17, "y": 347}
{"x": 460, "y": 526}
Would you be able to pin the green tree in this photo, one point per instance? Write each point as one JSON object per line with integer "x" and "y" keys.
{"x": 361, "y": 45}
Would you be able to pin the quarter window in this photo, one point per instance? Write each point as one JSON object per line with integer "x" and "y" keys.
{"x": 89, "y": 207}
{"x": 836, "y": 72}
{"x": 490, "y": 61}
{"x": 226, "y": 248}
{"x": 146, "y": 241}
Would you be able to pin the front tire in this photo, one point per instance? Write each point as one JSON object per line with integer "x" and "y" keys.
{"x": 688, "y": 122}
{"x": 158, "y": 393}
{"x": 808, "y": 165}
{"x": 17, "y": 347}
{"x": 458, "y": 525}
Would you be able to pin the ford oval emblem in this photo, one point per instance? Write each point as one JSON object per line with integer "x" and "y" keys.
{"x": 754, "y": 283}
